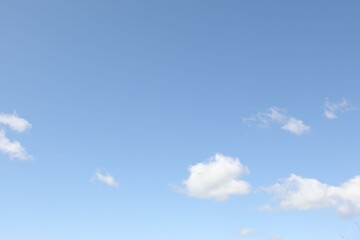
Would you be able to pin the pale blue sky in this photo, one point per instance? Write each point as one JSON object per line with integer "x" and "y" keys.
{"x": 142, "y": 90}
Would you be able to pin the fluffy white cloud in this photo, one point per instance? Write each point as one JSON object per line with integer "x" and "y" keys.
{"x": 105, "y": 178}
{"x": 13, "y": 149}
{"x": 332, "y": 108}
{"x": 278, "y": 115}
{"x": 14, "y": 122}
{"x": 246, "y": 231}
{"x": 300, "y": 193}
{"x": 218, "y": 178}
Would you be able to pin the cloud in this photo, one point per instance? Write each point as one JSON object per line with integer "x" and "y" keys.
{"x": 265, "y": 208}
{"x": 278, "y": 115}
{"x": 246, "y": 231}
{"x": 14, "y": 122}
{"x": 332, "y": 108}
{"x": 13, "y": 149}
{"x": 275, "y": 238}
{"x": 218, "y": 178}
{"x": 105, "y": 178}
{"x": 298, "y": 193}
{"x": 295, "y": 126}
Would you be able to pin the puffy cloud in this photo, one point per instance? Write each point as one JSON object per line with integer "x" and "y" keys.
{"x": 105, "y": 178}
{"x": 278, "y": 115}
{"x": 218, "y": 178}
{"x": 332, "y": 108}
{"x": 13, "y": 149}
{"x": 14, "y": 122}
{"x": 300, "y": 193}
{"x": 295, "y": 126}
{"x": 246, "y": 231}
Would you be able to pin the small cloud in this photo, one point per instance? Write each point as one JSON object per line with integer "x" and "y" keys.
{"x": 296, "y": 126}
{"x": 266, "y": 208}
{"x": 246, "y": 231}
{"x": 278, "y": 115}
{"x": 275, "y": 238}
{"x": 298, "y": 193}
{"x": 218, "y": 178}
{"x": 13, "y": 149}
{"x": 14, "y": 122}
{"x": 329, "y": 114}
{"x": 331, "y": 109}
{"x": 105, "y": 178}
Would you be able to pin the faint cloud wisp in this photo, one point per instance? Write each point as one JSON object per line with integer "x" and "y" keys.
{"x": 278, "y": 115}
{"x": 331, "y": 109}
{"x": 246, "y": 231}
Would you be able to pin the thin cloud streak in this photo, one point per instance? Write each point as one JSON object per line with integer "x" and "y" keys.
{"x": 246, "y": 231}
{"x": 279, "y": 116}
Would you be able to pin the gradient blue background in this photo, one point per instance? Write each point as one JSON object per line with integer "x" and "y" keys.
{"x": 143, "y": 89}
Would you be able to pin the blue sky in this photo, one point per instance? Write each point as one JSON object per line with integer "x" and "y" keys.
{"x": 179, "y": 120}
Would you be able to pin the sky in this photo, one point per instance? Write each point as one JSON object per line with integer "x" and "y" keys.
{"x": 179, "y": 120}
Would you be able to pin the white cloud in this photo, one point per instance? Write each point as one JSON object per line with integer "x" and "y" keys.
{"x": 105, "y": 178}
{"x": 295, "y": 126}
{"x": 13, "y": 149}
{"x": 278, "y": 115}
{"x": 218, "y": 178}
{"x": 300, "y": 193}
{"x": 246, "y": 231}
{"x": 332, "y": 108}
{"x": 329, "y": 114}
{"x": 14, "y": 122}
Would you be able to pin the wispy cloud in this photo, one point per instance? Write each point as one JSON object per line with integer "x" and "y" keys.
{"x": 105, "y": 178}
{"x": 331, "y": 109}
{"x": 246, "y": 231}
{"x": 275, "y": 238}
{"x": 218, "y": 178}
{"x": 279, "y": 116}
{"x": 14, "y": 122}
{"x": 13, "y": 149}
{"x": 298, "y": 193}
